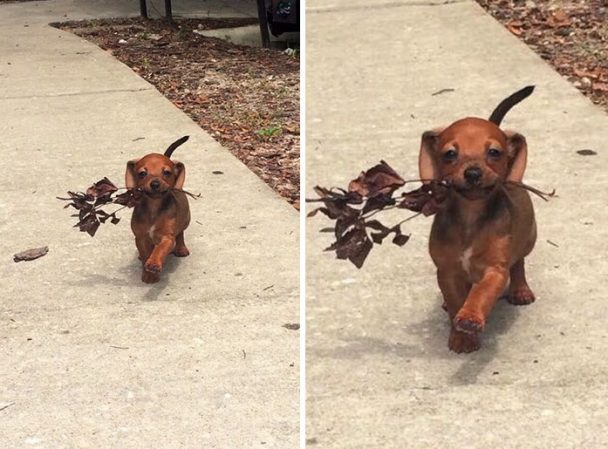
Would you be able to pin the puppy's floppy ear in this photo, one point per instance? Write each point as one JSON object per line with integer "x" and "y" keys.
{"x": 130, "y": 174}
{"x": 180, "y": 174}
{"x": 518, "y": 155}
{"x": 427, "y": 165}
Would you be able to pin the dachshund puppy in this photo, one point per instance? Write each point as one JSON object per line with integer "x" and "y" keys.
{"x": 162, "y": 214}
{"x": 486, "y": 226}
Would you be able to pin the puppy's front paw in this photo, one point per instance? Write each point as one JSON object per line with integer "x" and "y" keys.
{"x": 460, "y": 342}
{"x": 153, "y": 266}
{"x": 521, "y": 296}
{"x": 181, "y": 251}
{"x": 149, "y": 278}
{"x": 468, "y": 322}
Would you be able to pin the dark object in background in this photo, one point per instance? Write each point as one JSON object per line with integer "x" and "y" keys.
{"x": 283, "y": 16}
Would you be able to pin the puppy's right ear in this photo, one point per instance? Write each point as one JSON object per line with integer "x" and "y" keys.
{"x": 130, "y": 174}
{"x": 427, "y": 165}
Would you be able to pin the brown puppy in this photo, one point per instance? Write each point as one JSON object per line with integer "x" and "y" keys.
{"x": 163, "y": 213}
{"x": 486, "y": 227}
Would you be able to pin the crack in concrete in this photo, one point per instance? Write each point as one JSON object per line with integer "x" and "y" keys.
{"x": 394, "y": 4}
{"x": 75, "y": 94}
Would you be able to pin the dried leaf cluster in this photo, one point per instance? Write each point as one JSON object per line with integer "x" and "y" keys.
{"x": 373, "y": 191}
{"x": 90, "y": 204}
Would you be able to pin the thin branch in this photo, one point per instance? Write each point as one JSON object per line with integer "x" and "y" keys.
{"x": 534, "y": 190}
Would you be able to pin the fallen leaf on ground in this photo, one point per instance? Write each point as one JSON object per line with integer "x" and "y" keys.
{"x": 559, "y": 18}
{"x": 31, "y": 254}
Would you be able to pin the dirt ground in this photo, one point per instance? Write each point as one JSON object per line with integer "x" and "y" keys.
{"x": 572, "y": 36}
{"x": 246, "y": 98}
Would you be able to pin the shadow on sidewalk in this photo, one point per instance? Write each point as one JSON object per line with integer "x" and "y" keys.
{"x": 428, "y": 339}
{"x": 501, "y": 319}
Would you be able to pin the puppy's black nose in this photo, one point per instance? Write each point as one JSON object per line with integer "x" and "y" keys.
{"x": 155, "y": 185}
{"x": 473, "y": 175}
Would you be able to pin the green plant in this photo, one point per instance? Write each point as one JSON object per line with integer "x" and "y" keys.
{"x": 269, "y": 132}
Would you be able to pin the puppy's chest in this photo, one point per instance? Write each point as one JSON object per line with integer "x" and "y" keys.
{"x": 465, "y": 259}
{"x": 148, "y": 225}
{"x": 463, "y": 254}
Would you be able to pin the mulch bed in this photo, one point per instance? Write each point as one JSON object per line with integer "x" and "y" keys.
{"x": 246, "y": 98}
{"x": 570, "y": 35}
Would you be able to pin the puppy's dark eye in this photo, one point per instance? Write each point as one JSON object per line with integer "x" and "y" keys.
{"x": 167, "y": 173}
{"x": 141, "y": 174}
{"x": 494, "y": 153}
{"x": 450, "y": 156}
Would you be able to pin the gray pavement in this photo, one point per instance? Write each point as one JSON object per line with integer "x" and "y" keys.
{"x": 379, "y": 373}
{"x": 90, "y": 356}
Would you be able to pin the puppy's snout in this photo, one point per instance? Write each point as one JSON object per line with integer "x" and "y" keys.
{"x": 473, "y": 175}
{"x": 155, "y": 185}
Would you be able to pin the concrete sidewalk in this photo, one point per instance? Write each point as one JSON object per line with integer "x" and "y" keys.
{"x": 90, "y": 356}
{"x": 379, "y": 373}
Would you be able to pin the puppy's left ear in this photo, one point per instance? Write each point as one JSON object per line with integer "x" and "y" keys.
{"x": 180, "y": 174}
{"x": 518, "y": 156}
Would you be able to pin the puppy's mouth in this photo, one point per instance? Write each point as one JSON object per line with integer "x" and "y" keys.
{"x": 474, "y": 191}
{"x": 155, "y": 193}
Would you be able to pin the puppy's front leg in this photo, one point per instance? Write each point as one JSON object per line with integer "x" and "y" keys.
{"x": 455, "y": 289}
{"x": 155, "y": 262}
{"x": 481, "y": 299}
{"x": 145, "y": 247}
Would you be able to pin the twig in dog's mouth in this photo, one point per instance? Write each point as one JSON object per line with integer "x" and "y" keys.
{"x": 191, "y": 195}
{"x": 91, "y": 204}
{"x": 373, "y": 192}
{"x": 544, "y": 195}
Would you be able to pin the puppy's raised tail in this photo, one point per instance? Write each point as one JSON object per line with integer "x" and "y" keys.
{"x": 506, "y": 104}
{"x": 169, "y": 151}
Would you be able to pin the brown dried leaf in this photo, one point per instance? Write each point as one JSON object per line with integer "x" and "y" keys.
{"x": 354, "y": 245}
{"x": 426, "y": 199}
{"x": 559, "y": 19}
{"x": 602, "y": 87}
{"x": 592, "y": 74}
{"x": 380, "y": 179}
{"x": 101, "y": 188}
{"x": 384, "y": 231}
{"x": 515, "y": 27}
{"x": 31, "y": 254}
